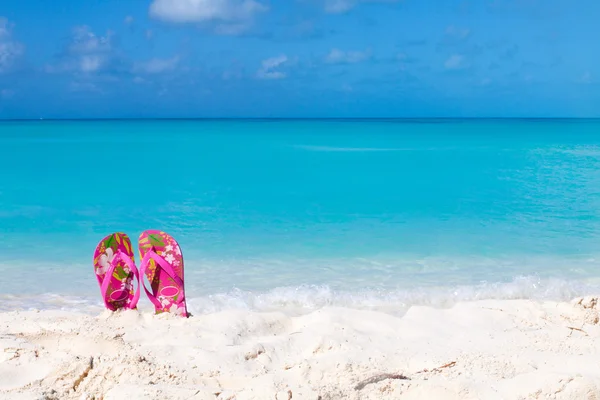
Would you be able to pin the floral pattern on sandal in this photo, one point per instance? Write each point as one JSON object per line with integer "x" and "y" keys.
{"x": 115, "y": 269}
{"x": 162, "y": 265}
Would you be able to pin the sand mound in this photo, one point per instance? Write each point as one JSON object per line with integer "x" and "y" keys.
{"x": 488, "y": 349}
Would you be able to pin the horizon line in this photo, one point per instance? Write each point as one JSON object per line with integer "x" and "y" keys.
{"x": 295, "y": 119}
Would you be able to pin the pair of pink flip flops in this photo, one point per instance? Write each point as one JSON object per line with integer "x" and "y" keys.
{"x": 162, "y": 264}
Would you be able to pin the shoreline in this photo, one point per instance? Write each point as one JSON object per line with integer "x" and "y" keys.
{"x": 304, "y": 299}
{"x": 488, "y": 349}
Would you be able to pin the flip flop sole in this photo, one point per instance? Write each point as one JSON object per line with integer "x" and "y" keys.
{"x": 168, "y": 292}
{"x": 119, "y": 293}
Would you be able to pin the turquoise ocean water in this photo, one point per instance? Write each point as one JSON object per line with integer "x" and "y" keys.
{"x": 284, "y": 214}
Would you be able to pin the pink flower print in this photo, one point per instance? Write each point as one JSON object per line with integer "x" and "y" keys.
{"x": 105, "y": 261}
{"x": 164, "y": 301}
{"x": 168, "y": 248}
{"x": 176, "y": 263}
{"x": 169, "y": 258}
{"x": 177, "y": 250}
{"x": 175, "y": 309}
{"x": 126, "y": 284}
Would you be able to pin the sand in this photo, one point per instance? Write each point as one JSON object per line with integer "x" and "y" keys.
{"x": 508, "y": 349}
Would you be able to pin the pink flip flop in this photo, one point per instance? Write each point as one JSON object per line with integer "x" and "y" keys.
{"x": 115, "y": 270}
{"x": 162, "y": 264}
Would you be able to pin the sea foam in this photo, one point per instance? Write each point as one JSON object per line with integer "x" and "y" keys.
{"x": 303, "y": 299}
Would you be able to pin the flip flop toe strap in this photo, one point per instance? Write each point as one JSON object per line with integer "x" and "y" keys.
{"x": 165, "y": 266}
{"x": 120, "y": 256}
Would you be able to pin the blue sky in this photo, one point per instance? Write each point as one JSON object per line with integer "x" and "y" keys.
{"x": 299, "y": 58}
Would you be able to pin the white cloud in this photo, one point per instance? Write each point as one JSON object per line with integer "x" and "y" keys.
{"x": 337, "y": 56}
{"x": 10, "y": 50}
{"x": 149, "y": 34}
{"x": 156, "y": 65}
{"x": 342, "y": 6}
{"x": 456, "y": 61}
{"x": 338, "y": 6}
{"x": 189, "y": 11}
{"x": 87, "y": 52}
{"x": 269, "y": 68}
{"x": 90, "y": 63}
{"x": 84, "y": 41}
{"x": 139, "y": 80}
{"x": 128, "y": 20}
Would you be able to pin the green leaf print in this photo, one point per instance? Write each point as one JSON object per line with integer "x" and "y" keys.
{"x": 145, "y": 244}
{"x": 120, "y": 274}
{"x": 156, "y": 241}
{"x": 111, "y": 242}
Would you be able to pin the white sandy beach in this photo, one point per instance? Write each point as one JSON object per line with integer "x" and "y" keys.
{"x": 515, "y": 349}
